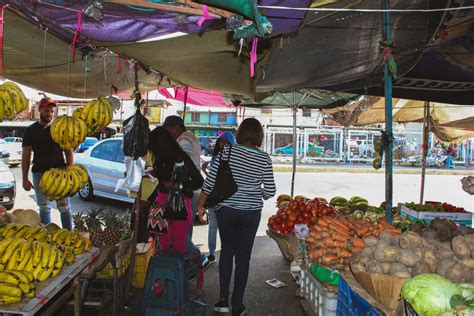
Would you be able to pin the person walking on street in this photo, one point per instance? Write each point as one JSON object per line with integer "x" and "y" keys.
{"x": 46, "y": 155}
{"x": 192, "y": 147}
{"x": 227, "y": 138}
{"x": 238, "y": 217}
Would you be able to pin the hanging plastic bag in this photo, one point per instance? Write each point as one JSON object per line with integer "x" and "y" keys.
{"x": 135, "y": 135}
{"x": 133, "y": 179}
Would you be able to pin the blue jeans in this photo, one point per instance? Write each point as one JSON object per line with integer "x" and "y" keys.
{"x": 190, "y": 247}
{"x": 212, "y": 232}
{"x": 237, "y": 229}
{"x": 45, "y": 205}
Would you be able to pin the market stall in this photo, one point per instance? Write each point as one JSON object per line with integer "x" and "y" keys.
{"x": 353, "y": 260}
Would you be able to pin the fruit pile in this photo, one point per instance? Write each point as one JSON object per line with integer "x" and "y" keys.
{"x": 96, "y": 114}
{"x": 357, "y": 207}
{"x": 29, "y": 253}
{"x": 298, "y": 210}
{"x": 12, "y": 100}
{"x": 58, "y": 183}
{"x": 104, "y": 229}
{"x": 435, "y": 207}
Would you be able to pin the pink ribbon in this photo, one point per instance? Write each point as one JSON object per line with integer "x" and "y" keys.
{"x": 253, "y": 56}
{"x": 205, "y": 15}
{"x": 76, "y": 34}
{"x": 119, "y": 65}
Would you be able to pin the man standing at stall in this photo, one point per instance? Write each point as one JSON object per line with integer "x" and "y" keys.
{"x": 46, "y": 154}
{"x": 192, "y": 147}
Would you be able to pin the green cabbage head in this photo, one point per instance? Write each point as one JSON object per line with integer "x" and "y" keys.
{"x": 429, "y": 294}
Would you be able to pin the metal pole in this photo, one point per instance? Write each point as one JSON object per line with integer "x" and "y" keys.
{"x": 295, "y": 108}
{"x": 388, "y": 118}
{"x": 185, "y": 103}
{"x": 426, "y": 129}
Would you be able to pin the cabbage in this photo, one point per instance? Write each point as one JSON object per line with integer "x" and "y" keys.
{"x": 429, "y": 294}
{"x": 467, "y": 291}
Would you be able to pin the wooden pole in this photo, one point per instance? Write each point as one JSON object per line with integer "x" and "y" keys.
{"x": 295, "y": 148}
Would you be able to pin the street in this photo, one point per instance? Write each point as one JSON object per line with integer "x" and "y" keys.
{"x": 445, "y": 188}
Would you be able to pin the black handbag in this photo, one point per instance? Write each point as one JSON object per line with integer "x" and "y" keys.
{"x": 224, "y": 186}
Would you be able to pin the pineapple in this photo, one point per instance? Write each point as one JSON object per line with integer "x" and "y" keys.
{"x": 79, "y": 221}
{"x": 94, "y": 221}
{"x": 113, "y": 228}
{"x": 126, "y": 231}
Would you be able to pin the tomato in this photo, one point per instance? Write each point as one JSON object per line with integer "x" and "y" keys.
{"x": 283, "y": 226}
{"x": 278, "y": 220}
{"x": 300, "y": 219}
{"x": 313, "y": 220}
{"x": 291, "y": 216}
{"x": 306, "y": 215}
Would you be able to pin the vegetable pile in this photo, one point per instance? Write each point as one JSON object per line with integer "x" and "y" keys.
{"x": 298, "y": 211}
{"x": 431, "y": 294}
{"x": 435, "y": 207}
{"x": 333, "y": 240}
{"x": 440, "y": 229}
{"x": 410, "y": 254}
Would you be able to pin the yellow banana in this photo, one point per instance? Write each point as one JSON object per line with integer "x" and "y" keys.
{"x": 29, "y": 268}
{"x": 82, "y": 172}
{"x": 52, "y": 257}
{"x": 11, "y": 249}
{"x": 67, "y": 239}
{"x": 58, "y": 233}
{"x": 37, "y": 271}
{"x": 58, "y": 185}
{"x": 45, "y": 254}
{"x": 33, "y": 230}
{"x": 13, "y": 262}
{"x": 25, "y": 248}
{"x": 59, "y": 260}
{"x": 9, "y": 109}
{"x": 75, "y": 180}
{"x": 88, "y": 244}
{"x": 2, "y": 110}
{"x": 4, "y": 244}
{"x": 7, "y": 299}
{"x": 37, "y": 253}
{"x": 77, "y": 113}
{"x": 30, "y": 276}
{"x": 10, "y": 290}
{"x": 79, "y": 250}
{"x": 20, "y": 233}
{"x": 40, "y": 235}
{"x": 8, "y": 277}
{"x": 85, "y": 111}
{"x": 54, "y": 130}
{"x": 21, "y": 102}
{"x": 79, "y": 242}
{"x": 49, "y": 178}
{"x": 11, "y": 230}
{"x": 21, "y": 266}
{"x": 21, "y": 276}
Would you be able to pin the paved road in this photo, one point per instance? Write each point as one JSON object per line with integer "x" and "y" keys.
{"x": 371, "y": 186}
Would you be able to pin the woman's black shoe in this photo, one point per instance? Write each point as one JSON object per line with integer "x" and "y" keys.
{"x": 222, "y": 306}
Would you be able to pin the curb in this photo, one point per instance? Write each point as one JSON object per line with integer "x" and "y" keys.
{"x": 367, "y": 170}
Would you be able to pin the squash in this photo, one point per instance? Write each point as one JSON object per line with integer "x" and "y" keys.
{"x": 28, "y": 216}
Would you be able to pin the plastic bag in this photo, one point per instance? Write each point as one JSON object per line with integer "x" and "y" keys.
{"x": 135, "y": 135}
{"x": 133, "y": 179}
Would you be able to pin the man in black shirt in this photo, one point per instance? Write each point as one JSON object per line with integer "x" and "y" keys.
{"x": 47, "y": 154}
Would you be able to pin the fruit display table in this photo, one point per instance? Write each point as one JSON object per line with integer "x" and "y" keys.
{"x": 49, "y": 290}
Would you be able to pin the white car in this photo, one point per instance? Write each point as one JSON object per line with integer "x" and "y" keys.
{"x": 10, "y": 152}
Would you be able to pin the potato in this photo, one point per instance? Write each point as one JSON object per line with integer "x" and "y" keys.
{"x": 365, "y": 260}
{"x": 383, "y": 243}
{"x": 464, "y": 230}
{"x": 458, "y": 273}
{"x": 460, "y": 247}
{"x": 398, "y": 267}
{"x": 384, "y": 235}
{"x": 429, "y": 234}
{"x": 357, "y": 267}
{"x": 430, "y": 259}
{"x": 443, "y": 234}
{"x": 402, "y": 274}
{"x": 370, "y": 241}
{"x": 469, "y": 262}
{"x": 408, "y": 258}
{"x": 395, "y": 241}
{"x": 367, "y": 252}
{"x": 472, "y": 253}
{"x": 386, "y": 267}
{"x": 445, "y": 254}
{"x": 444, "y": 246}
{"x": 419, "y": 252}
{"x": 420, "y": 268}
{"x": 374, "y": 267}
{"x": 386, "y": 254}
{"x": 445, "y": 265}
{"x": 410, "y": 240}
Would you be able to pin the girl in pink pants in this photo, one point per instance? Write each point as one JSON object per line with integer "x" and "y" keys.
{"x": 175, "y": 237}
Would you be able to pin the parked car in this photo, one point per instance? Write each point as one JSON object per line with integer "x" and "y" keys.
{"x": 13, "y": 139}
{"x": 118, "y": 135}
{"x": 105, "y": 165}
{"x": 207, "y": 145}
{"x": 88, "y": 142}
{"x": 10, "y": 152}
{"x": 288, "y": 149}
{"x": 7, "y": 187}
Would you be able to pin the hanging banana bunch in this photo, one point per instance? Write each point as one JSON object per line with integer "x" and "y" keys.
{"x": 96, "y": 114}
{"x": 58, "y": 183}
{"x": 68, "y": 132}
{"x": 12, "y": 100}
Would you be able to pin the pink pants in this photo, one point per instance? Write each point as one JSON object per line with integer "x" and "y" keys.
{"x": 177, "y": 232}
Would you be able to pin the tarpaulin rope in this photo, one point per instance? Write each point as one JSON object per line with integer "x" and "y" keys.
{"x": 253, "y": 56}
{"x": 76, "y": 34}
{"x": 392, "y": 65}
{"x": 366, "y": 10}
{"x": 205, "y": 15}
{"x": 1, "y": 38}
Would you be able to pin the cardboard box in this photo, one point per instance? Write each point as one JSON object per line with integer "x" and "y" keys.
{"x": 384, "y": 288}
{"x": 464, "y": 219}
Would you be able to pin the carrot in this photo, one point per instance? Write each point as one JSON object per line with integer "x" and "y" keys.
{"x": 343, "y": 253}
{"x": 325, "y": 234}
{"x": 340, "y": 244}
{"x": 362, "y": 231}
{"x": 356, "y": 249}
{"x": 327, "y": 260}
{"x": 317, "y": 228}
{"x": 328, "y": 242}
{"x": 317, "y": 253}
{"x": 334, "y": 224}
{"x": 322, "y": 221}
{"x": 357, "y": 242}
{"x": 340, "y": 237}
{"x": 310, "y": 240}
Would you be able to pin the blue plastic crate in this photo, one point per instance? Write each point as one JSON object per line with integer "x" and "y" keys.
{"x": 172, "y": 271}
{"x": 351, "y": 303}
